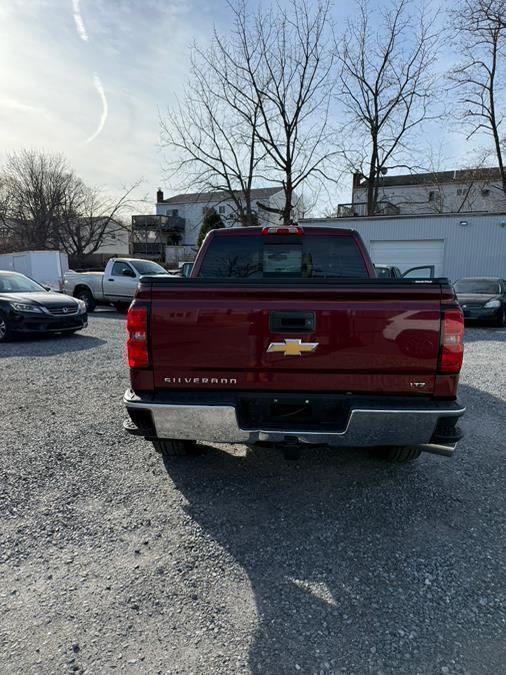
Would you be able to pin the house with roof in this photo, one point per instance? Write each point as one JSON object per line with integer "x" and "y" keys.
{"x": 189, "y": 209}
{"x": 459, "y": 191}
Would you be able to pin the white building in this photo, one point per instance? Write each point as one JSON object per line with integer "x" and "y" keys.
{"x": 116, "y": 245}
{"x": 193, "y": 206}
{"x": 436, "y": 192}
{"x": 457, "y": 244}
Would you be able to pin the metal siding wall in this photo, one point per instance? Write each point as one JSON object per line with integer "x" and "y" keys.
{"x": 478, "y": 249}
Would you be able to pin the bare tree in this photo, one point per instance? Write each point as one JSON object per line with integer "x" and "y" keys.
{"x": 92, "y": 220}
{"x": 258, "y": 104}
{"x": 386, "y": 85}
{"x": 211, "y": 134}
{"x": 287, "y": 61}
{"x": 45, "y": 205}
{"x": 481, "y": 76}
{"x": 34, "y": 186}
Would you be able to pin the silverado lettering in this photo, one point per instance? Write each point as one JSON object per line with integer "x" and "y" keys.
{"x": 200, "y": 380}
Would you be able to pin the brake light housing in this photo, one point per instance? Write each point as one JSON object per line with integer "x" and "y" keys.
{"x": 283, "y": 229}
{"x": 452, "y": 341}
{"x": 137, "y": 342}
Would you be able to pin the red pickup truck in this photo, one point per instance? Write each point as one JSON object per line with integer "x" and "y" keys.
{"x": 284, "y": 336}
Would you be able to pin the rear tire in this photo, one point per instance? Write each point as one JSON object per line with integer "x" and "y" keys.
{"x": 87, "y": 297}
{"x": 170, "y": 447}
{"x": 5, "y": 331}
{"x": 500, "y": 322}
{"x": 399, "y": 454}
{"x": 121, "y": 307}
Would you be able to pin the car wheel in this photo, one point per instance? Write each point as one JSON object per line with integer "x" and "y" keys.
{"x": 85, "y": 295}
{"x": 501, "y": 319}
{"x": 121, "y": 307}
{"x": 169, "y": 447}
{"x": 5, "y": 331}
{"x": 399, "y": 453}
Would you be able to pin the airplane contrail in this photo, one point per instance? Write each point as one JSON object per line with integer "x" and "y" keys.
{"x": 81, "y": 30}
{"x": 79, "y": 20}
{"x": 105, "y": 108}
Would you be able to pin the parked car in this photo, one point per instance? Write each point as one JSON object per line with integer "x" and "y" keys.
{"x": 116, "y": 285}
{"x": 285, "y": 336}
{"x": 28, "y": 307}
{"x": 482, "y": 298}
{"x": 45, "y": 267}
{"x": 392, "y": 272}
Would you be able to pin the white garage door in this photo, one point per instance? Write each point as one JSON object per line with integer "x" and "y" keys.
{"x": 409, "y": 253}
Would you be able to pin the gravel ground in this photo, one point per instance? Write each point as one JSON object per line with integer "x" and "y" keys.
{"x": 234, "y": 561}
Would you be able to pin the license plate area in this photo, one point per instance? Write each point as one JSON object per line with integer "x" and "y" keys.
{"x": 299, "y": 411}
{"x": 286, "y": 412}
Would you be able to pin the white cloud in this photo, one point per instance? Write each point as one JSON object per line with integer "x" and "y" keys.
{"x": 81, "y": 30}
{"x": 105, "y": 108}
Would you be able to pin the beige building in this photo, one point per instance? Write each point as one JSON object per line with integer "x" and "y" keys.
{"x": 461, "y": 191}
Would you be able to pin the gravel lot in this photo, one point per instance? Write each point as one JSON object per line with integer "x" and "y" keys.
{"x": 236, "y": 562}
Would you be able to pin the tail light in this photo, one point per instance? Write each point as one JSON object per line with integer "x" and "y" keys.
{"x": 288, "y": 229}
{"x": 137, "y": 343}
{"x": 452, "y": 345}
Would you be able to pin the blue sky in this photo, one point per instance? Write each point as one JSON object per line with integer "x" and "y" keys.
{"x": 88, "y": 78}
{"x": 57, "y": 79}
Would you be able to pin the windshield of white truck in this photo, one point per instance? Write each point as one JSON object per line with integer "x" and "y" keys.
{"x": 147, "y": 267}
{"x": 324, "y": 257}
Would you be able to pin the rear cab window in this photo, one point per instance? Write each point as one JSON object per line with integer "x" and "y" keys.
{"x": 283, "y": 256}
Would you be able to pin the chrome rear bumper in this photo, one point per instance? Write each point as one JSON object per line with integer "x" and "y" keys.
{"x": 365, "y": 427}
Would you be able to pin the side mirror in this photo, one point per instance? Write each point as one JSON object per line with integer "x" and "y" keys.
{"x": 48, "y": 288}
{"x": 128, "y": 273}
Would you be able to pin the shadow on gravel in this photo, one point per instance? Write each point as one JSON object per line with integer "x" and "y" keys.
{"x": 49, "y": 345}
{"x": 360, "y": 565}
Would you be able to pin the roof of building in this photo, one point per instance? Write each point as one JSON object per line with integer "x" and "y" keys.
{"x": 436, "y": 177}
{"x": 216, "y": 197}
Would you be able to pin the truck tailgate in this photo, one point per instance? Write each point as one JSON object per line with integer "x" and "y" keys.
{"x": 372, "y": 337}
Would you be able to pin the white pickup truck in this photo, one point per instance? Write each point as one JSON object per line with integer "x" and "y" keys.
{"x": 116, "y": 285}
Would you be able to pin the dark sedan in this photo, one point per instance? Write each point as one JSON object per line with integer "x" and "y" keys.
{"x": 28, "y": 307}
{"x": 483, "y": 299}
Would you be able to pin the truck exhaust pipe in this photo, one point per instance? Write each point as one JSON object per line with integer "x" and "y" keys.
{"x": 437, "y": 449}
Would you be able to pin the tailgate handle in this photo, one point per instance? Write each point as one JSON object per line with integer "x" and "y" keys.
{"x": 292, "y": 322}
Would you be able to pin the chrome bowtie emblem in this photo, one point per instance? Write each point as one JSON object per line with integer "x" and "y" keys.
{"x": 292, "y": 347}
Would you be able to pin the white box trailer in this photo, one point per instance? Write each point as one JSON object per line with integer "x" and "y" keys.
{"x": 46, "y": 267}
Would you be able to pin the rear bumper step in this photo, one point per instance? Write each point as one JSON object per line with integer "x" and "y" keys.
{"x": 363, "y": 426}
